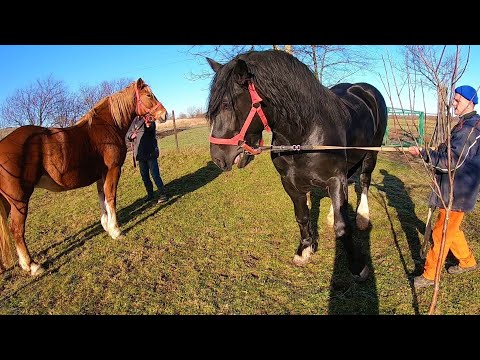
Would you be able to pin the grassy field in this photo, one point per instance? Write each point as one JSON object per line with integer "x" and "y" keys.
{"x": 224, "y": 244}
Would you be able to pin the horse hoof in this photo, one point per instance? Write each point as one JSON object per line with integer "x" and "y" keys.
{"x": 36, "y": 269}
{"x": 121, "y": 236}
{"x": 303, "y": 260}
{"x": 362, "y": 276}
{"x": 362, "y": 222}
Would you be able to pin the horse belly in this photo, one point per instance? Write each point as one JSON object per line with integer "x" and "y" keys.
{"x": 46, "y": 182}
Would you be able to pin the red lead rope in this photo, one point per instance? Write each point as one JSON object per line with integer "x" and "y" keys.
{"x": 239, "y": 139}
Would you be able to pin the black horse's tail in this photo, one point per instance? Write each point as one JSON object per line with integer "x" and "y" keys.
{"x": 376, "y": 103}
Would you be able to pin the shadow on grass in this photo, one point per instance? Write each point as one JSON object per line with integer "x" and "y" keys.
{"x": 346, "y": 296}
{"x": 398, "y": 197}
{"x": 177, "y": 188}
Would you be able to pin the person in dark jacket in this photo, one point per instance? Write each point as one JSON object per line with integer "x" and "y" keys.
{"x": 465, "y": 161}
{"x": 146, "y": 152}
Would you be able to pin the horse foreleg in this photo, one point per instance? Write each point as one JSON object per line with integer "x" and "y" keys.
{"x": 17, "y": 227}
{"x": 110, "y": 191}
{"x": 308, "y": 245}
{"x": 338, "y": 192}
{"x": 103, "y": 205}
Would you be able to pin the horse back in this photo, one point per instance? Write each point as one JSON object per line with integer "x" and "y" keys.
{"x": 368, "y": 113}
{"x": 54, "y": 158}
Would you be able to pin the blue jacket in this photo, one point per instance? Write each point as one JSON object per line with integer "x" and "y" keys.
{"x": 465, "y": 136}
{"x": 145, "y": 143}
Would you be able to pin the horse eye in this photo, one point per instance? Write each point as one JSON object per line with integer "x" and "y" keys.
{"x": 226, "y": 106}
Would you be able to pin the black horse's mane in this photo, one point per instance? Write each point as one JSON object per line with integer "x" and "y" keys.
{"x": 291, "y": 88}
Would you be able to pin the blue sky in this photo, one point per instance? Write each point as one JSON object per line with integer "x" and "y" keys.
{"x": 165, "y": 67}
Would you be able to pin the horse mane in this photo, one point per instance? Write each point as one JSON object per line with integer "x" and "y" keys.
{"x": 121, "y": 106}
{"x": 292, "y": 89}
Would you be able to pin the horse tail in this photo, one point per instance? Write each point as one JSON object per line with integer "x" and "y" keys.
{"x": 376, "y": 103}
{"x": 6, "y": 251}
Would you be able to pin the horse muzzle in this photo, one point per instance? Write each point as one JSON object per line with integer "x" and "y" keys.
{"x": 226, "y": 156}
{"x": 161, "y": 116}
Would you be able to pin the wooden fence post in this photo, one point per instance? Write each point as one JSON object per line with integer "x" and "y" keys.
{"x": 175, "y": 128}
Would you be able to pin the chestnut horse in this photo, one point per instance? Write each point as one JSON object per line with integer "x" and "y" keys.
{"x": 274, "y": 90}
{"x": 61, "y": 159}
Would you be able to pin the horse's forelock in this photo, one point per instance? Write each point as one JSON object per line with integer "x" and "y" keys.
{"x": 221, "y": 84}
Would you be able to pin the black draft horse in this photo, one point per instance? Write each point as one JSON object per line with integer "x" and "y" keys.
{"x": 273, "y": 89}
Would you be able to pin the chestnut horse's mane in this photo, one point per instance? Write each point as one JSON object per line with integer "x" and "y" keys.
{"x": 121, "y": 106}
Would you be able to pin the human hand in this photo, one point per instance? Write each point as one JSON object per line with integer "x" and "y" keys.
{"x": 413, "y": 150}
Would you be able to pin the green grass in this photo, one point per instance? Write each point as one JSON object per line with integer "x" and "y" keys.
{"x": 224, "y": 244}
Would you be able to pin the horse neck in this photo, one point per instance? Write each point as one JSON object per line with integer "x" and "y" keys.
{"x": 308, "y": 115}
{"x": 121, "y": 109}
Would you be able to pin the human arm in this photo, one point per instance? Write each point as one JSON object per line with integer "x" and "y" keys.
{"x": 464, "y": 144}
{"x": 132, "y": 131}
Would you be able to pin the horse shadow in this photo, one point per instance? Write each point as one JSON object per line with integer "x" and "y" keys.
{"x": 346, "y": 296}
{"x": 397, "y": 196}
{"x": 176, "y": 188}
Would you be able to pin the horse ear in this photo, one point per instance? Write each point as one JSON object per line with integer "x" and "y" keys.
{"x": 214, "y": 65}
{"x": 140, "y": 83}
{"x": 241, "y": 72}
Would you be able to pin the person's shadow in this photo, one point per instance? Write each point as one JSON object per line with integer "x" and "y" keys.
{"x": 398, "y": 197}
{"x": 346, "y": 296}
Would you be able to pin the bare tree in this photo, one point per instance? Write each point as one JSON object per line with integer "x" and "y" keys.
{"x": 90, "y": 95}
{"x": 439, "y": 68}
{"x": 37, "y": 104}
{"x": 70, "y": 109}
{"x": 221, "y": 53}
{"x": 333, "y": 64}
{"x": 330, "y": 63}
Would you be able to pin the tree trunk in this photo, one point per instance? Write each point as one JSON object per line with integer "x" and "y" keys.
{"x": 315, "y": 61}
{"x": 441, "y": 126}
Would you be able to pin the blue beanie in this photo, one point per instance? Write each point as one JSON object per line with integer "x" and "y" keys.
{"x": 468, "y": 93}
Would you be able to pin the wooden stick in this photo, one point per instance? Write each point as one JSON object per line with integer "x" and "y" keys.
{"x": 280, "y": 148}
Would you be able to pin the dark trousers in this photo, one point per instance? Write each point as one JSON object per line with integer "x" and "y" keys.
{"x": 150, "y": 166}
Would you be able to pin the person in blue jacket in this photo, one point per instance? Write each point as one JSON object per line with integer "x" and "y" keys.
{"x": 143, "y": 133}
{"x": 465, "y": 165}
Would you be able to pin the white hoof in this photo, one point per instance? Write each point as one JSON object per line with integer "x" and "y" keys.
{"x": 36, "y": 269}
{"x": 303, "y": 260}
{"x": 362, "y": 222}
{"x": 117, "y": 234}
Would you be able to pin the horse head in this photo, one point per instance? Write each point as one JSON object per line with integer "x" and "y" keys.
{"x": 148, "y": 105}
{"x": 234, "y": 116}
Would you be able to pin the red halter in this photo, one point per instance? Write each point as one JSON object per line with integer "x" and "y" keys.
{"x": 239, "y": 139}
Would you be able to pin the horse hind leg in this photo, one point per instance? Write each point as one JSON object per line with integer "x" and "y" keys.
{"x": 103, "y": 209}
{"x": 363, "y": 211}
{"x": 337, "y": 190}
